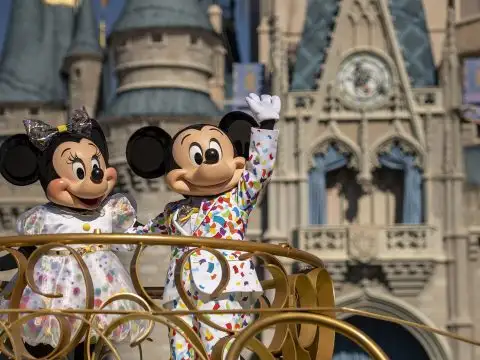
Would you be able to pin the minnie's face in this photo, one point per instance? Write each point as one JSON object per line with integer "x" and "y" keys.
{"x": 84, "y": 180}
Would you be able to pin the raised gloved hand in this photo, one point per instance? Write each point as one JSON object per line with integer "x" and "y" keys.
{"x": 266, "y": 109}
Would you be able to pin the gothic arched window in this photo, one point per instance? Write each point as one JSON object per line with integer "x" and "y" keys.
{"x": 398, "y": 159}
{"x": 325, "y": 163}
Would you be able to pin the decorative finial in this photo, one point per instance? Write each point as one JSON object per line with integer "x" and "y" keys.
{"x": 69, "y": 3}
{"x": 102, "y": 26}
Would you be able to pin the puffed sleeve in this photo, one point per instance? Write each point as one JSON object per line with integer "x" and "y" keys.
{"x": 32, "y": 222}
{"x": 124, "y": 216}
{"x": 124, "y": 212}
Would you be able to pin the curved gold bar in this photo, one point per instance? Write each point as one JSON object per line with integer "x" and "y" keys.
{"x": 302, "y": 312}
{"x": 166, "y": 240}
{"x": 354, "y": 334}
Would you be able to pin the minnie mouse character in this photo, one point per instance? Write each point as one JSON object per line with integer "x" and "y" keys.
{"x": 221, "y": 172}
{"x": 71, "y": 163}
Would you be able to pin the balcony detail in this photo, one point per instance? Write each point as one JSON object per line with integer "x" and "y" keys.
{"x": 407, "y": 254}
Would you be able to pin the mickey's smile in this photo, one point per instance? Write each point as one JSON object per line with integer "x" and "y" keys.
{"x": 90, "y": 202}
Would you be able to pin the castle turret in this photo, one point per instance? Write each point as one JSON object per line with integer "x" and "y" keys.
{"x": 37, "y": 39}
{"x": 164, "y": 56}
{"x": 83, "y": 63}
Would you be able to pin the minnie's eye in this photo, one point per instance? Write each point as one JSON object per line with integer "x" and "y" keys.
{"x": 78, "y": 170}
{"x": 95, "y": 163}
{"x": 196, "y": 156}
{"x": 216, "y": 146}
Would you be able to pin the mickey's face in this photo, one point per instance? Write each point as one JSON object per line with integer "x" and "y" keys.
{"x": 207, "y": 162}
{"x": 200, "y": 160}
{"x": 84, "y": 180}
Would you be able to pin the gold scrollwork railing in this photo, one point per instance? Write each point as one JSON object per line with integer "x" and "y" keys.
{"x": 302, "y": 310}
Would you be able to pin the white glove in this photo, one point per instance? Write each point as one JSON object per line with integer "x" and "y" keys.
{"x": 265, "y": 108}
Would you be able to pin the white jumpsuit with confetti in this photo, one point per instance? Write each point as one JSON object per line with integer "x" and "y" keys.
{"x": 223, "y": 217}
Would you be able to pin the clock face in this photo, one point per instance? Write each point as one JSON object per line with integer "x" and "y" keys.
{"x": 364, "y": 80}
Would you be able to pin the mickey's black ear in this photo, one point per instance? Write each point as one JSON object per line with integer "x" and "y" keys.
{"x": 18, "y": 161}
{"x": 238, "y": 126}
{"x": 98, "y": 137}
{"x": 148, "y": 151}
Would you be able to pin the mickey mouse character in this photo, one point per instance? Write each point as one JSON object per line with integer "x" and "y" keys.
{"x": 221, "y": 172}
{"x": 71, "y": 163}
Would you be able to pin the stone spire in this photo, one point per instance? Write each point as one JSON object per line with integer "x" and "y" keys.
{"x": 86, "y": 38}
{"x": 83, "y": 62}
{"x": 450, "y": 67}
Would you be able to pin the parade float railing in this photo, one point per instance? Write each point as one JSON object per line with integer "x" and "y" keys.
{"x": 302, "y": 311}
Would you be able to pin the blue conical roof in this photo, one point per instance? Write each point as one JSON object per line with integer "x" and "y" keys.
{"x": 86, "y": 36}
{"x": 37, "y": 39}
{"x": 147, "y": 14}
{"x": 411, "y": 30}
{"x": 161, "y": 102}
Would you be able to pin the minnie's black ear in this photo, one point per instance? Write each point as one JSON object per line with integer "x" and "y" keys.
{"x": 98, "y": 137}
{"x": 238, "y": 126}
{"x": 18, "y": 161}
{"x": 148, "y": 150}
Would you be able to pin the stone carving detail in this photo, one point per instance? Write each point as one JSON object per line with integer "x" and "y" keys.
{"x": 474, "y": 246}
{"x": 414, "y": 237}
{"x": 337, "y": 271}
{"x": 304, "y": 101}
{"x": 408, "y": 278}
{"x": 358, "y": 246}
{"x": 363, "y": 243}
{"x": 426, "y": 98}
{"x": 342, "y": 148}
{"x": 328, "y": 238}
{"x": 404, "y": 146}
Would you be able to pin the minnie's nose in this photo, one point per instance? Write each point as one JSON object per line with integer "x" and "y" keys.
{"x": 97, "y": 175}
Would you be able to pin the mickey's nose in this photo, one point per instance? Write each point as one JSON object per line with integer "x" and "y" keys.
{"x": 211, "y": 156}
{"x": 97, "y": 175}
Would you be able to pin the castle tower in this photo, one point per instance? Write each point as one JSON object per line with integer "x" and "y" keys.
{"x": 461, "y": 296}
{"x": 83, "y": 62}
{"x": 164, "y": 54}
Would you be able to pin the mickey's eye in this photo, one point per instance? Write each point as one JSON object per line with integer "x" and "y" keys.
{"x": 215, "y": 145}
{"x": 95, "y": 163}
{"x": 78, "y": 170}
{"x": 196, "y": 156}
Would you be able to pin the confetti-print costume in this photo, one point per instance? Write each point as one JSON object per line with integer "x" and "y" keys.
{"x": 60, "y": 273}
{"x": 224, "y": 217}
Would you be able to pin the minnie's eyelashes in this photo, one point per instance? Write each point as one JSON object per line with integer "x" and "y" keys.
{"x": 73, "y": 158}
